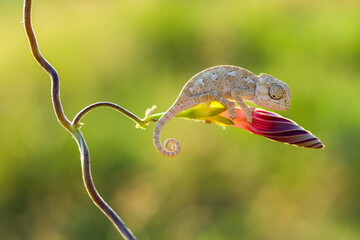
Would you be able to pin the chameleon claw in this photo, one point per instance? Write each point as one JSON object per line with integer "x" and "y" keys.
{"x": 232, "y": 113}
{"x": 248, "y": 114}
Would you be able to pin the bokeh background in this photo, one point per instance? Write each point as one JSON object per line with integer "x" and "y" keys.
{"x": 225, "y": 184}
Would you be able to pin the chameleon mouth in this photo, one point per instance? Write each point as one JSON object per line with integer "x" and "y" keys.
{"x": 287, "y": 105}
{"x": 283, "y": 107}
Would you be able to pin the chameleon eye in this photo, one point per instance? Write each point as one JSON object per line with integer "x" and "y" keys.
{"x": 276, "y": 92}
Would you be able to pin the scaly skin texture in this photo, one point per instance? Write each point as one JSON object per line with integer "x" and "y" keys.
{"x": 224, "y": 84}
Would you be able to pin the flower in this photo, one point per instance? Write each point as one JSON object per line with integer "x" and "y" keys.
{"x": 275, "y": 127}
{"x": 267, "y": 124}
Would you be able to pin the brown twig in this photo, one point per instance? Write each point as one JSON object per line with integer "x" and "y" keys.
{"x": 124, "y": 111}
{"x": 73, "y": 127}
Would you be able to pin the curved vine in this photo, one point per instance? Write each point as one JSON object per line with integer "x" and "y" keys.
{"x": 73, "y": 127}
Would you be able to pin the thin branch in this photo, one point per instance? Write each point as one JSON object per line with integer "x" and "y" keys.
{"x": 55, "y": 82}
{"x": 84, "y": 151}
{"x": 87, "y": 109}
{"x": 93, "y": 193}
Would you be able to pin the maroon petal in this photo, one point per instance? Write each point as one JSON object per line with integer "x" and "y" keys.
{"x": 275, "y": 127}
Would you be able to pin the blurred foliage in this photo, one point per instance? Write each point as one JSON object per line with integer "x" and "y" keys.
{"x": 224, "y": 184}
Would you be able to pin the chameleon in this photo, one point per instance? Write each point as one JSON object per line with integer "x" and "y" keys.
{"x": 224, "y": 84}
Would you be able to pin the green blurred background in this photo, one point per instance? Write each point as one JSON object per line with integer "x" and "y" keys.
{"x": 225, "y": 184}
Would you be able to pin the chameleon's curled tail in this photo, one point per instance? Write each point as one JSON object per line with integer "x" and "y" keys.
{"x": 171, "y": 146}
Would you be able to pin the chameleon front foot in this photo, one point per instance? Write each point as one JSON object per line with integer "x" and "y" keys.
{"x": 248, "y": 114}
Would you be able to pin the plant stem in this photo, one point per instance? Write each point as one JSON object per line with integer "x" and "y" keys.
{"x": 55, "y": 82}
{"x": 93, "y": 193}
{"x": 124, "y": 111}
{"x": 75, "y": 132}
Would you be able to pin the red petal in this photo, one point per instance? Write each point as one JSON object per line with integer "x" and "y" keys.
{"x": 275, "y": 127}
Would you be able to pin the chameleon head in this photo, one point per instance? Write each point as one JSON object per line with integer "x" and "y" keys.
{"x": 271, "y": 93}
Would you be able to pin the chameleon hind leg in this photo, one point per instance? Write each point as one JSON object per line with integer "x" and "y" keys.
{"x": 213, "y": 96}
